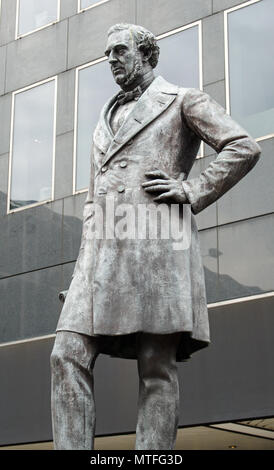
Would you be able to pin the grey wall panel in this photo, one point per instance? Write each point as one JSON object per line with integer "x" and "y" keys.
{"x": 25, "y": 392}
{"x": 72, "y": 226}
{"x": 246, "y": 258}
{"x": 213, "y": 49}
{"x": 160, "y": 16}
{"x": 209, "y": 251}
{"x": 68, "y": 8}
{"x": 31, "y": 239}
{"x": 254, "y": 195}
{"x": 29, "y": 304}
{"x": 7, "y": 21}
{"x": 38, "y": 56}
{"x": 196, "y": 168}
{"x": 67, "y": 270}
{"x": 208, "y": 217}
{"x": 63, "y": 183}
{"x": 117, "y": 407}
{"x": 232, "y": 379}
{"x": 3, "y": 50}
{"x": 87, "y": 30}
{"x": 225, "y": 4}
{"x": 217, "y": 91}
{"x": 65, "y": 102}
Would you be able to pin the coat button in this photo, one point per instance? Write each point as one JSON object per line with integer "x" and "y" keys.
{"x": 102, "y": 191}
{"x": 120, "y": 189}
{"x": 123, "y": 164}
{"x": 104, "y": 169}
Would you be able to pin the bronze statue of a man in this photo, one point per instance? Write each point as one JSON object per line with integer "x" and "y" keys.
{"x": 139, "y": 298}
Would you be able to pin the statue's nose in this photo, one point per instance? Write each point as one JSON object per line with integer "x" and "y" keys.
{"x": 111, "y": 58}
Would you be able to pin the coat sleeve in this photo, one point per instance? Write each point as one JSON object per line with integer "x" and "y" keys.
{"x": 237, "y": 150}
{"x": 87, "y": 213}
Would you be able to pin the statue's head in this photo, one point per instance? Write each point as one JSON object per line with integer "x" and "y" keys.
{"x": 132, "y": 51}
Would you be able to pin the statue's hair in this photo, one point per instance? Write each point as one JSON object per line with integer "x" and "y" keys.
{"x": 145, "y": 40}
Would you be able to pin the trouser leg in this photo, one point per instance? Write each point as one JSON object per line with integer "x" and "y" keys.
{"x": 72, "y": 390}
{"x": 158, "y": 404}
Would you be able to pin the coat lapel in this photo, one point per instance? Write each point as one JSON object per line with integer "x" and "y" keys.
{"x": 154, "y": 101}
{"x": 103, "y": 135}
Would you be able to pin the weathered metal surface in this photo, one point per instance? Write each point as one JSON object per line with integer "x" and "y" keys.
{"x": 131, "y": 291}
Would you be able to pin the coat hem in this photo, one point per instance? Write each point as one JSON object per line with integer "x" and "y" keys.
{"x": 123, "y": 346}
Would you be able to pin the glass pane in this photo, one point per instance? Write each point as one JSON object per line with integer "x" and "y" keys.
{"x": 88, "y": 3}
{"x": 251, "y": 67}
{"x": 34, "y": 14}
{"x": 96, "y": 86}
{"x": 33, "y": 137}
{"x": 246, "y": 265}
{"x": 182, "y": 69}
{"x": 179, "y": 58}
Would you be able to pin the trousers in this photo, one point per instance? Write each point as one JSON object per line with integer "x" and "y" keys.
{"x": 72, "y": 391}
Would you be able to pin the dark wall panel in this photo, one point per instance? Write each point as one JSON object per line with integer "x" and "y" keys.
{"x": 231, "y": 379}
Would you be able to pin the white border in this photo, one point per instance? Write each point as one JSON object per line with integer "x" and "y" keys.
{"x": 227, "y": 80}
{"x": 55, "y": 79}
{"x": 28, "y": 340}
{"x": 247, "y": 429}
{"x": 239, "y": 300}
{"x": 217, "y": 304}
{"x": 101, "y": 59}
{"x": 19, "y": 36}
{"x": 80, "y": 10}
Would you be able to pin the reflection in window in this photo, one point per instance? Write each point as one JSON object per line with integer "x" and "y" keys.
{"x": 96, "y": 85}
{"x": 88, "y": 3}
{"x": 32, "y": 145}
{"x": 34, "y": 14}
{"x": 251, "y": 67}
{"x": 179, "y": 58}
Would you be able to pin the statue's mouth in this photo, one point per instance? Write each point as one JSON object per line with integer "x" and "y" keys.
{"x": 117, "y": 70}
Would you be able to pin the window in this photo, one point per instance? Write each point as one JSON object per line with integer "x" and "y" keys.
{"x": 180, "y": 57}
{"x": 84, "y": 4}
{"x": 32, "y": 145}
{"x": 95, "y": 85}
{"x": 183, "y": 69}
{"x": 250, "y": 66}
{"x": 36, "y": 14}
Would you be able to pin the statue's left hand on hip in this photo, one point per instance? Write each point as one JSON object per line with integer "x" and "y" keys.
{"x": 170, "y": 188}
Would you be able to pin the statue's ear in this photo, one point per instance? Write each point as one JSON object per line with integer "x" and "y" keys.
{"x": 146, "y": 51}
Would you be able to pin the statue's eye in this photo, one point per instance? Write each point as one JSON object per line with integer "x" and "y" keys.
{"x": 121, "y": 50}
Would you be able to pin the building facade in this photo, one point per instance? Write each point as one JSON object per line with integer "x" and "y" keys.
{"x": 54, "y": 79}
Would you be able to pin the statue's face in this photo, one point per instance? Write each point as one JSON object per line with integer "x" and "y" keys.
{"x": 124, "y": 58}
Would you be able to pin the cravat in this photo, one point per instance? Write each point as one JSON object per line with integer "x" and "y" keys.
{"x": 125, "y": 96}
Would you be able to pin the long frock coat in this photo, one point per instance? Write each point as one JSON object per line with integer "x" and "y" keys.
{"x": 124, "y": 286}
